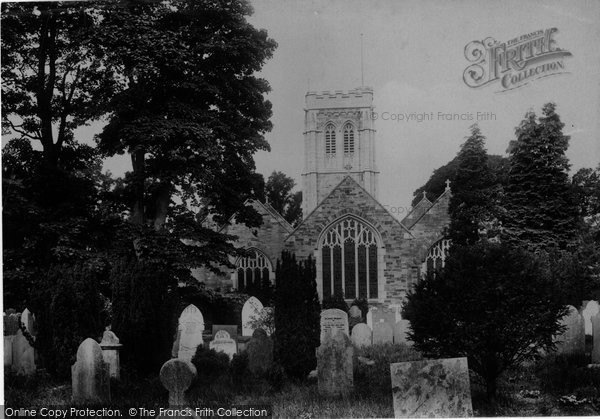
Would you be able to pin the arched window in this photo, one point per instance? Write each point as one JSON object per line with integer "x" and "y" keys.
{"x": 253, "y": 270}
{"x": 436, "y": 257}
{"x": 349, "y": 260}
{"x": 330, "y": 140}
{"x": 348, "y": 138}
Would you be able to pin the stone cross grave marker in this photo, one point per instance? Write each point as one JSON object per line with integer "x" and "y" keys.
{"x": 332, "y": 320}
{"x": 222, "y": 342}
{"x": 177, "y": 375}
{"x": 260, "y": 352}
{"x": 110, "y": 352}
{"x": 362, "y": 335}
{"x": 431, "y": 388}
{"x": 572, "y": 340}
{"x": 191, "y": 326}
{"x": 250, "y": 312}
{"x": 382, "y": 333}
{"x": 90, "y": 375}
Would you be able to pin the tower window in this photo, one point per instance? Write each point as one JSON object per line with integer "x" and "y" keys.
{"x": 330, "y": 140}
{"x": 348, "y": 139}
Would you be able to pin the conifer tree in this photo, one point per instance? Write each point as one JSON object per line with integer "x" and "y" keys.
{"x": 472, "y": 201}
{"x": 541, "y": 211}
{"x": 297, "y": 315}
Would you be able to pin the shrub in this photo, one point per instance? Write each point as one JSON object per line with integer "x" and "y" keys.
{"x": 562, "y": 374}
{"x": 297, "y": 316}
{"x": 210, "y": 364}
{"x": 376, "y": 379}
{"x": 239, "y": 365}
{"x": 335, "y": 301}
{"x": 69, "y": 308}
{"x": 144, "y": 313}
{"x": 495, "y": 304}
{"x": 217, "y": 308}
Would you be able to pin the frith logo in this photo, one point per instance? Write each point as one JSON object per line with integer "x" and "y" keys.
{"x": 514, "y": 63}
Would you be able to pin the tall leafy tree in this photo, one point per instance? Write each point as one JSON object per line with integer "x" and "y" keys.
{"x": 541, "y": 210}
{"x": 278, "y": 191}
{"x": 473, "y": 191}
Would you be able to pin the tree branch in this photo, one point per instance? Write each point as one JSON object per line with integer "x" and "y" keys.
{"x": 16, "y": 128}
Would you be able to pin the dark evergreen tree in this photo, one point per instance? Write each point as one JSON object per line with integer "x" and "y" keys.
{"x": 297, "y": 315}
{"x": 336, "y": 300}
{"x": 541, "y": 210}
{"x": 492, "y": 303}
{"x": 473, "y": 191}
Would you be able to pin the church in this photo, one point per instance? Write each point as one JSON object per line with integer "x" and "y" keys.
{"x": 359, "y": 247}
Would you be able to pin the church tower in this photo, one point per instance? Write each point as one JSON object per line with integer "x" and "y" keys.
{"x": 339, "y": 141}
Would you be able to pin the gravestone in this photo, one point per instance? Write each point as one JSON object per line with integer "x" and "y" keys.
{"x": 260, "y": 352}
{"x": 232, "y": 329}
{"x": 431, "y": 388}
{"x": 383, "y": 315}
{"x": 222, "y": 342}
{"x": 400, "y": 330}
{"x": 250, "y": 312}
{"x": 332, "y": 320}
{"x": 370, "y": 316}
{"x": 382, "y": 333}
{"x": 191, "y": 326}
{"x": 23, "y": 355}
{"x": 11, "y": 324}
{"x": 90, "y": 375}
{"x": 362, "y": 335}
{"x": 596, "y": 338}
{"x": 354, "y": 317}
{"x": 111, "y": 353}
{"x": 335, "y": 365}
{"x": 572, "y": 340}
{"x": 591, "y": 308}
{"x": 28, "y": 320}
{"x": 177, "y": 375}
{"x": 8, "y": 345}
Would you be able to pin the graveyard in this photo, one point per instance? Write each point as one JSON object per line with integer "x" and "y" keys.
{"x": 370, "y": 371}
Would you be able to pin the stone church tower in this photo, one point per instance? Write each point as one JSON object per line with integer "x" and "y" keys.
{"x": 339, "y": 141}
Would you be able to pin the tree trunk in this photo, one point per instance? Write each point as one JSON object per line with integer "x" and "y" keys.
{"x": 161, "y": 205}
{"x": 138, "y": 162}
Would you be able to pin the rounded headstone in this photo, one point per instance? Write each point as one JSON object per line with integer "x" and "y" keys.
{"x": 354, "y": 311}
{"x": 177, "y": 375}
{"x": 251, "y": 311}
{"x": 362, "y": 335}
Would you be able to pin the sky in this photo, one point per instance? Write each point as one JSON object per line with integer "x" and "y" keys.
{"x": 414, "y": 59}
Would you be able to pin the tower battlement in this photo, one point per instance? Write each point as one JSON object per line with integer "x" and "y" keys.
{"x": 355, "y": 98}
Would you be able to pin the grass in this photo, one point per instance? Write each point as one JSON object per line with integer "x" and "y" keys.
{"x": 538, "y": 389}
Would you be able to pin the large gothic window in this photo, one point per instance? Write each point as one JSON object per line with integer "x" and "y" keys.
{"x": 436, "y": 257}
{"x": 330, "y": 140}
{"x": 348, "y": 138}
{"x": 349, "y": 260}
{"x": 253, "y": 271}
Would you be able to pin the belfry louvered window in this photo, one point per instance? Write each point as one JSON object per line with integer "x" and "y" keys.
{"x": 349, "y": 260}
{"x": 330, "y": 140}
{"x": 348, "y": 138}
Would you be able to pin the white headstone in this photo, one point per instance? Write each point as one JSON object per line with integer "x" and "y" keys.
{"x": 332, "y": 320}
{"x": 362, "y": 335}
{"x": 592, "y": 308}
{"x": 110, "y": 352}
{"x": 370, "y": 316}
{"x": 191, "y": 326}
{"x": 28, "y": 320}
{"x": 222, "y": 342}
{"x": 251, "y": 311}
{"x": 90, "y": 380}
{"x": 596, "y": 338}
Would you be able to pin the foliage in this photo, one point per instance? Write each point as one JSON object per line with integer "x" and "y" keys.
{"x": 586, "y": 183}
{"x": 69, "y": 309}
{"x": 335, "y": 301}
{"x": 144, "y": 306}
{"x": 278, "y": 191}
{"x": 297, "y": 315}
{"x": 239, "y": 365}
{"x": 495, "y": 304}
{"x": 210, "y": 364}
{"x": 265, "y": 320}
{"x": 541, "y": 210}
{"x": 374, "y": 379}
{"x": 473, "y": 191}
{"x": 216, "y": 307}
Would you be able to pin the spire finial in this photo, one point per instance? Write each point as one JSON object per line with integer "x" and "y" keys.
{"x": 447, "y": 184}
{"x": 267, "y": 199}
{"x": 424, "y": 194}
{"x": 362, "y": 67}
